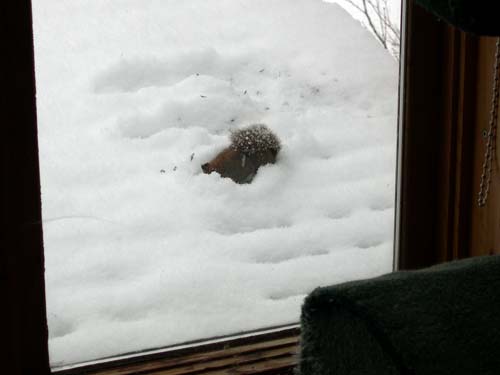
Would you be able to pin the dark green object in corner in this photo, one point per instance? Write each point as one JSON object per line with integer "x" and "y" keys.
{"x": 476, "y": 16}
{"x": 444, "y": 320}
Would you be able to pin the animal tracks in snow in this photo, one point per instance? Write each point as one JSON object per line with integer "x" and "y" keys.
{"x": 199, "y": 88}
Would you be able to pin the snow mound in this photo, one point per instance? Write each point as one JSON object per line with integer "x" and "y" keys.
{"x": 198, "y": 101}
{"x": 142, "y": 249}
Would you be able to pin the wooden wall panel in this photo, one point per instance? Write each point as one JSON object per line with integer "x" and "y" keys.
{"x": 485, "y": 225}
{"x": 454, "y": 164}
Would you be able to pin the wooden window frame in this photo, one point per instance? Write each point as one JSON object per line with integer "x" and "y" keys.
{"x": 433, "y": 208}
{"x": 446, "y": 95}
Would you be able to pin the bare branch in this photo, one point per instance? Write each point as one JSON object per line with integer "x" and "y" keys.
{"x": 376, "y": 13}
{"x": 374, "y": 29}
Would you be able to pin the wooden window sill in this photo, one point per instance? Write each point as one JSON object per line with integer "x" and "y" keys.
{"x": 268, "y": 353}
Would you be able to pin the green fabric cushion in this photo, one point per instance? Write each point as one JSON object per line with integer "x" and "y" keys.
{"x": 476, "y": 16}
{"x": 444, "y": 320}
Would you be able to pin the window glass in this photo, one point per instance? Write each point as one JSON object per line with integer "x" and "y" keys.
{"x": 143, "y": 248}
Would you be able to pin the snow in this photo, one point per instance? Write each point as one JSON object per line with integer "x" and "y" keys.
{"x": 142, "y": 249}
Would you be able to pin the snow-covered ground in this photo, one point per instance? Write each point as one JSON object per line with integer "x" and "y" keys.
{"x": 144, "y": 250}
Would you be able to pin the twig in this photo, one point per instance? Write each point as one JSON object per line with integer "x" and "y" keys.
{"x": 377, "y": 12}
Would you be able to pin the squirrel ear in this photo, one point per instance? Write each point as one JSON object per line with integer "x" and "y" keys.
{"x": 206, "y": 167}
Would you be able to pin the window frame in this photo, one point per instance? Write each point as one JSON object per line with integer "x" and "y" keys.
{"x": 431, "y": 208}
{"x": 447, "y": 105}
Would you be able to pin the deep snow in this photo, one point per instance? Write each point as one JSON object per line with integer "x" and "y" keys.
{"x": 143, "y": 249}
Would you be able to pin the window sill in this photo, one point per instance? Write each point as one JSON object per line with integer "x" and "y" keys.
{"x": 262, "y": 353}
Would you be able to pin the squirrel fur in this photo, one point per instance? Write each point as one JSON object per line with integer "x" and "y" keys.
{"x": 250, "y": 148}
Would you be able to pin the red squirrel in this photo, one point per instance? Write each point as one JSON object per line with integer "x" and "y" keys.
{"x": 250, "y": 148}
